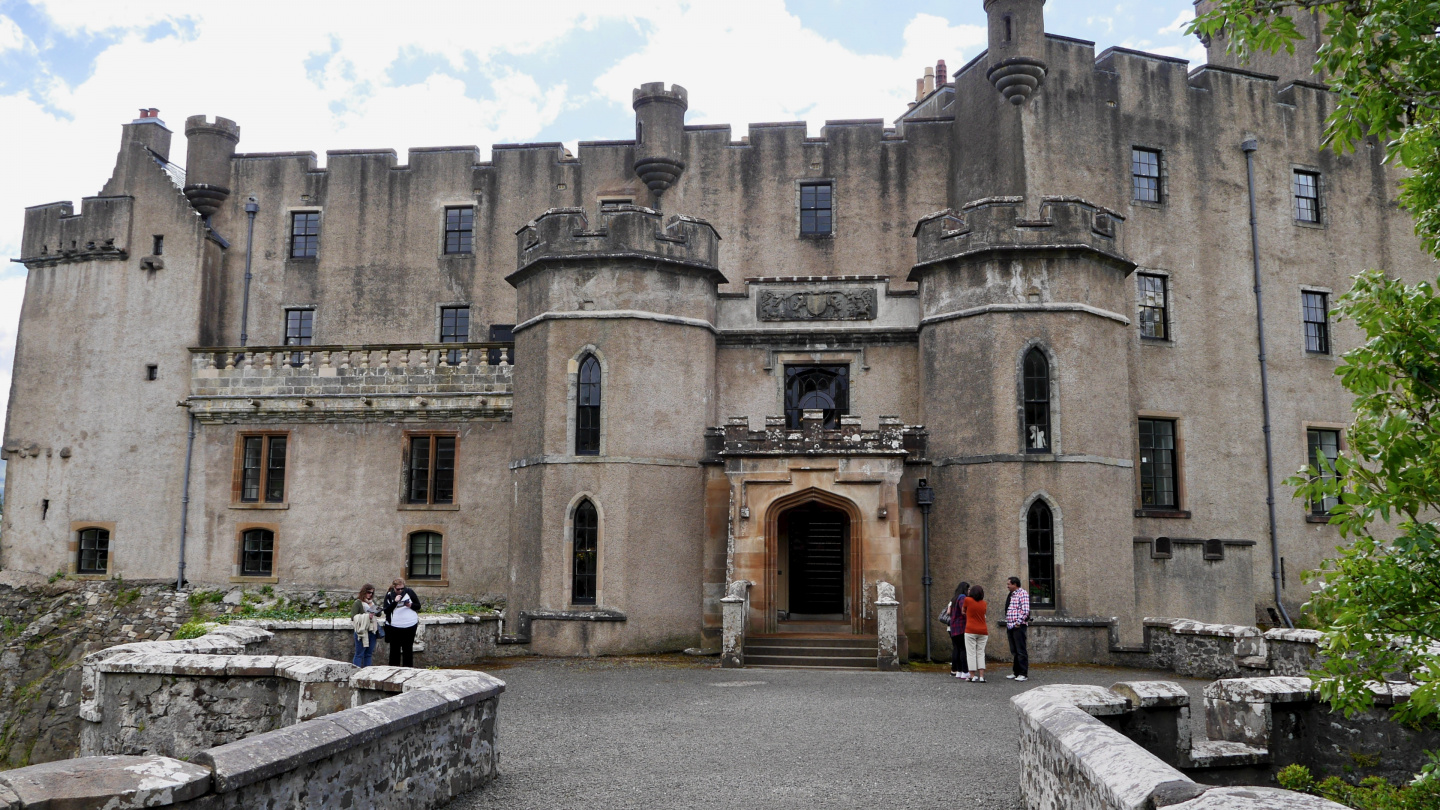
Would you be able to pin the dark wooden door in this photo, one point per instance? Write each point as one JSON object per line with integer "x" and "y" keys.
{"x": 817, "y": 561}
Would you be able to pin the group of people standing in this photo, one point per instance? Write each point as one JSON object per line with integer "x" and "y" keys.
{"x": 969, "y": 633}
{"x": 394, "y": 619}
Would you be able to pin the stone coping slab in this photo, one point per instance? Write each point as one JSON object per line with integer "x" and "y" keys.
{"x": 1186, "y": 627}
{"x": 263, "y": 756}
{"x": 304, "y": 669}
{"x": 1391, "y": 694}
{"x": 1278, "y": 689}
{"x": 1255, "y": 798}
{"x": 1152, "y": 694}
{"x": 344, "y": 624}
{"x": 1096, "y": 701}
{"x": 1223, "y": 753}
{"x": 405, "y": 679}
{"x": 1296, "y": 635}
{"x": 111, "y": 783}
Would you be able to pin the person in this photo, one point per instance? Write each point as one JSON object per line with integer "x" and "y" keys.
{"x": 365, "y": 619}
{"x": 1017, "y": 618}
{"x": 955, "y": 618}
{"x": 976, "y": 633}
{"x": 402, "y": 607}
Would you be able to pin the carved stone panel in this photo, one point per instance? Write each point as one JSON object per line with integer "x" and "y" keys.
{"x": 823, "y": 305}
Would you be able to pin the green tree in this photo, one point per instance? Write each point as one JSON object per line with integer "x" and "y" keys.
{"x": 1379, "y": 598}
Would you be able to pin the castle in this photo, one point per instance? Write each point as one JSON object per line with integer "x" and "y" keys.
{"x": 606, "y": 386}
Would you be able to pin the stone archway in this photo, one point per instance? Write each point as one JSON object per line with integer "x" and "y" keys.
{"x": 816, "y": 502}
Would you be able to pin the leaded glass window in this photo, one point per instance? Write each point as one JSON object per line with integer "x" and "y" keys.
{"x": 824, "y": 388}
{"x": 1037, "y": 402}
{"x": 585, "y": 537}
{"x": 257, "y": 553}
{"x": 1154, "y": 307}
{"x": 1158, "y": 464}
{"x": 425, "y": 555}
{"x": 1040, "y": 545}
{"x": 94, "y": 551}
{"x": 262, "y": 468}
{"x": 1323, "y": 447}
{"x": 431, "y": 469}
{"x": 1145, "y": 174}
{"x": 587, "y": 408}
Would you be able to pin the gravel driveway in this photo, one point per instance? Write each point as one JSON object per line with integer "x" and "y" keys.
{"x": 676, "y": 732}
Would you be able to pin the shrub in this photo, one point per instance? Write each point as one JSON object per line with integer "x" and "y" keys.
{"x": 194, "y": 628}
{"x": 1373, "y": 793}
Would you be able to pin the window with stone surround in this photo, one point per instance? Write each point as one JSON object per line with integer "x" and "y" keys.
{"x": 1154, "y": 306}
{"x": 1306, "y": 188}
{"x": 585, "y": 538}
{"x": 823, "y": 388}
{"x": 1315, "y": 312}
{"x": 1158, "y": 465}
{"x": 430, "y": 468}
{"x": 1040, "y": 548}
{"x": 816, "y": 209}
{"x": 304, "y": 234}
{"x": 1322, "y": 448}
{"x": 1037, "y": 402}
{"x": 454, "y": 328}
{"x": 587, "y": 408}
{"x": 460, "y": 229}
{"x": 425, "y": 555}
{"x": 1145, "y": 175}
{"x": 260, "y": 468}
{"x": 257, "y": 553}
{"x": 94, "y": 550}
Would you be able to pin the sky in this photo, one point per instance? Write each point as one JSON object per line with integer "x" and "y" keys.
{"x": 312, "y": 75}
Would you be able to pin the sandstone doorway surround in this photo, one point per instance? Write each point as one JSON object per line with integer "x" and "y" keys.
{"x": 776, "y": 474}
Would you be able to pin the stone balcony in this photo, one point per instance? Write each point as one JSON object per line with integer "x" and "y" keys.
{"x": 893, "y": 438}
{"x": 421, "y": 382}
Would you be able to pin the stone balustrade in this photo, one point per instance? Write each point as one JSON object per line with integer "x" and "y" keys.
{"x": 892, "y": 438}
{"x": 405, "y": 382}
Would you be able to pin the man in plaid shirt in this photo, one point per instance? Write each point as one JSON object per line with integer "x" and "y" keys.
{"x": 1017, "y": 618}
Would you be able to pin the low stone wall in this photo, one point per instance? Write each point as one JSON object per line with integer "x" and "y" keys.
{"x": 379, "y": 737}
{"x": 1071, "y": 758}
{"x": 443, "y": 640}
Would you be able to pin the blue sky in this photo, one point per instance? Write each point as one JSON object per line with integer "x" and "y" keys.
{"x": 318, "y": 76}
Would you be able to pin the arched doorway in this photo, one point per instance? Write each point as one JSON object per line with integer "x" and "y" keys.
{"x": 812, "y": 547}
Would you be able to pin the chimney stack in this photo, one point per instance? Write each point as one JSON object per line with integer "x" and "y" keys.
{"x": 929, "y": 80}
{"x": 942, "y": 76}
{"x": 919, "y": 90}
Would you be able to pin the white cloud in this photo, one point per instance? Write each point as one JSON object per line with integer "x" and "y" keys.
{"x": 12, "y": 292}
{"x": 11, "y": 37}
{"x": 1181, "y": 21}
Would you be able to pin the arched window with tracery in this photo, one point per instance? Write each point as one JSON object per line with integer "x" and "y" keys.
{"x": 584, "y": 539}
{"x": 1040, "y": 545}
{"x": 587, "y": 408}
{"x": 1037, "y": 402}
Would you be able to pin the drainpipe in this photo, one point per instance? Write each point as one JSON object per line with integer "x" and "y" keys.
{"x": 924, "y": 497}
{"x": 185, "y": 503}
{"x": 251, "y": 207}
{"x": 1250, "y": 146}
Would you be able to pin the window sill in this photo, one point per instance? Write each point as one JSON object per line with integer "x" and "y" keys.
{"x": 1146, "y": 204}
{"x": 285, "y": 505}
{"x": 1325, "y": 355}
{"x": 257, "y": 580}
{"x": 1156, "y": 341}
{"x": 303, "y": 259}
{"x": 1182, "y": 514}
{"x": 427, "y": 583}
{"x": 830, "y": 235}
{"x": 457, "y": 255}
{"x": 91, "y": 577}
{"x": 429, "y": 507}
{"x": 1317, "y": 519}
{"x": 1300, "y": 223}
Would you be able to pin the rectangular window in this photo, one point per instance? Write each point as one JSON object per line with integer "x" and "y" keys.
{"x": 94, "y": 551}
{"x": 1145, "y": 174}
{"x": 425, "y": 555}
{"x": 815, "y": 209}
{"x": 1315, "y": 310}
{"x": 262, "y": 468}
{"x": 1154, "y": 307}
{"x": 1307, "y": 196}
{"x": 152, "y": 372}
{"x": 257, "y": 553}
{"x": 460, "y": 229}
{"x": 1322, "y": 446}
{"x": 304, "y": 234}
{"x": 299, "y": 331}
{"x": 454, "y": 328}
{"x": 502, "y": 333}
{"x": 1158, "y": 488}
{"x": 431, "y": 469}
{"x": 157, "y": 246}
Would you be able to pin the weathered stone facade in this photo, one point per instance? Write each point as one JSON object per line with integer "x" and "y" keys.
{"x": 998, "y": 217}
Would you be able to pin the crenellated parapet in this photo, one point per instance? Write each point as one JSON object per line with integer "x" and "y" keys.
{"x": 1000, "y": 224}
{"x": 55, "y": 234}
{"x": 626, "y": 232}
{"x": 892, "y": 438}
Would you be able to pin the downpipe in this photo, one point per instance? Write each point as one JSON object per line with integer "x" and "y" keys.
{"x": 1250, "y": 146}
{"x": 185, "y": 503}
{"x": 251, "y": 207}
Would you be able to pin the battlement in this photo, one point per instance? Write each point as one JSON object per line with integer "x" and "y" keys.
{"x": 655, "y": 91}
{"x": 55, "y": 234}
{"x": 1002, "y": 223}
{"x": 812, "y": 438}
{"x": 627, "y": 231}
{"x": 223, "y": 127}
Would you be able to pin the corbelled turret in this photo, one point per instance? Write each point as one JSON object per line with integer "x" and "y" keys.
{"x": 1017, "y": 41}
{"x": 659, "y": 134}
{"x": 207, "y": 161}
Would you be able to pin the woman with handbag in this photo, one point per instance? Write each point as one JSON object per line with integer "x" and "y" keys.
{"x": 365, "y": 621}
{"x": 976, "y": 632}
{"x": 954, "y": 618}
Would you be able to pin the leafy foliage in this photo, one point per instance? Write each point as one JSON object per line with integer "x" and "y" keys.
{"x": 1382, "y": 59}
{"x": 1373, "y": 793}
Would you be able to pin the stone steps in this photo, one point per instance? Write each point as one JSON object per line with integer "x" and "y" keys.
{"x": 829, "y": 651}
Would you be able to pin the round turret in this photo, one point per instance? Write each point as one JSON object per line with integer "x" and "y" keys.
{"x": 207, "y": 161}
{"x": 659, "y": 134}
{"x": 1017, "y": 41}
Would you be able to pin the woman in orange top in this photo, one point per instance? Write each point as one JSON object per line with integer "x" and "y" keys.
{"x": 976, "y": 633}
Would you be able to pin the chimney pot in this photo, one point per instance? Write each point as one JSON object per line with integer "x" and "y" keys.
{"x": 929, "y": 79}
{"x": 919, "y": 89}
{"x": 942, "y": 76}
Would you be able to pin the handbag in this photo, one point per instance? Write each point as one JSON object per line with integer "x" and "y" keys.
{"x": 944, "y": 617}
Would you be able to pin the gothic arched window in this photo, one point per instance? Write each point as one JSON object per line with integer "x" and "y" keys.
{"x": 587, "y": 408}
{"x": 1037, "y": 402}
{"x": 1040, "y": 545}
{"x": 585, "y": 537}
